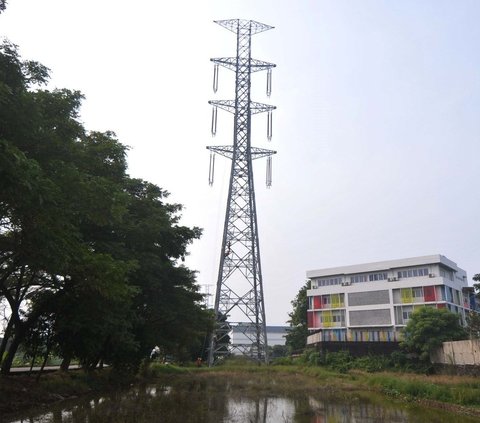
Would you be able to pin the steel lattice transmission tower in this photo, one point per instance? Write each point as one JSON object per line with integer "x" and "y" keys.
{"x": 239, "y": 289}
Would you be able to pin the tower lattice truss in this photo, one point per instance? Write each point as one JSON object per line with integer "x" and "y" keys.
{"x": 239, "y": 301}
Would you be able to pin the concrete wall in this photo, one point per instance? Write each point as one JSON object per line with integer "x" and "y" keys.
{"x": 370, "y": 317}
{"x": 368, "y": 298}
{"x": 458, "y": 353}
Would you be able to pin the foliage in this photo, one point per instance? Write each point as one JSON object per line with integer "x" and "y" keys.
{"x": 412, "y": 387}
{"x": 296, "y": 338}
{"x": 473, "y": 317}
{"x": 473, "y": 325}
{"x": 427, "y": 328}
{"x": 282, "y": 361}
{"x": 278, "y": 351}
{"x": 343, "y": 361}
{"x": 88, "y": 256}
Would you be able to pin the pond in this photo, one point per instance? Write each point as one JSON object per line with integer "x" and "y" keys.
{"x": 232, "y": 399}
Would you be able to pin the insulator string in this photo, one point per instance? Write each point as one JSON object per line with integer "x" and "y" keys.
{"x": 269, "y": 126}
{"x": 269, "y": 172}
{"x": 214, "y": 120}
{"x": 211, "y": 169}
{"x": 269, "y": 82}
{"x": 215, "y": 77}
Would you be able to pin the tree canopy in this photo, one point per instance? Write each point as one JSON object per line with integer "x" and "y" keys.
{"x": 296, "y": 339}
{"x": 473, "y": 317}
{"x": 85, "y": 250}
{"x": 428, "y": 327}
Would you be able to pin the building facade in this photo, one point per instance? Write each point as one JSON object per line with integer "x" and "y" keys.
{"x": 372, "y": 302}
{"x": 275, "y": 335}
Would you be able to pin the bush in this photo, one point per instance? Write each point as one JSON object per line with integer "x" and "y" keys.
{"x": 311, "y": 357}
{"x": 282, "y": 361}
{"x": 340, "y": 361}
{"x": 373, "y": 363}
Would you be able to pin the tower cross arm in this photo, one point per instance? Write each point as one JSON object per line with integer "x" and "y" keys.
{"x": 229, "y": 106}
{"x": 227, "y": 151}
{"x": 258, "y": 153}
{"x": 231, "y": 63}
{"x": 260, "y": 107}
{"x": 236, "y": 25}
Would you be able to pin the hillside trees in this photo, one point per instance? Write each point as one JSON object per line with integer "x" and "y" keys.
{"x": 80, "y": 241}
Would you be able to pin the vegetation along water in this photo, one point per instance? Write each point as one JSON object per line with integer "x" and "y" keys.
{"x": 293, "y": 393}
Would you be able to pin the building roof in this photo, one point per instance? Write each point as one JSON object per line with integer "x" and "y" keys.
{"x": 383, "y": 265}
{"x": 270, "y": 329}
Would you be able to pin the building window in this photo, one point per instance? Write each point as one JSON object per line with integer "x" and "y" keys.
{"x": 358, "y": 278}
{"x": 377, "y": 276}
{"x": 329, "y": 281}
{"x": 417, "y": 292}
{"x": 446, "y": 274}
{"x": 406, "y": 315}
{"x": 412, "y": 273}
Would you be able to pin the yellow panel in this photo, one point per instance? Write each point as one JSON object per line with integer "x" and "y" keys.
{"x": 327, "y": 319}
{"x": 335, "y": 300}
{"x": 407, "y": 296}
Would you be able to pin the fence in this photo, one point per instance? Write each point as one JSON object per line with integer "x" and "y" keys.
{"x": 458, "y": 353}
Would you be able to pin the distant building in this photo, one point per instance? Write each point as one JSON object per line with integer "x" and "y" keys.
{"x": 275, "y": 335}
{"x": 372, "y": 302}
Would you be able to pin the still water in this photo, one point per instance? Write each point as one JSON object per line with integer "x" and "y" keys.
{"x": 220, "y": 399}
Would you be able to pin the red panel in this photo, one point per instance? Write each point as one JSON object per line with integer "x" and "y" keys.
{"x": 441, "y": 305}
{"x": 429, "y": 293}
{"x": 317, "y": 302}
{"x": 310, "y": 319}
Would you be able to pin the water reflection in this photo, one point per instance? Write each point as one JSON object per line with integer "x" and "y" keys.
{"x": 217, "y": 400}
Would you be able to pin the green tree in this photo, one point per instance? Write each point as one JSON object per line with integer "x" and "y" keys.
{"x": 473, "y": 317}
{"x": 473, "y": 325}
{"x": 48, "y": 194}
{"x": 82, "y": 246}
{"x": 168, "y": 304}
{"x": 476, "y": 278}
{"x": 296, "y": 338}
{"x": 427, "y": 328}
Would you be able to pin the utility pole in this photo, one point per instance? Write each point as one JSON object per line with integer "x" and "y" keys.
{"x": 239, "y": 302}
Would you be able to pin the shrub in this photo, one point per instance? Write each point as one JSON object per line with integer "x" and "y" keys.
{"x": 340, "y": 361}
{"x": 373, "y": 363}
{"x": 282, "y": 361}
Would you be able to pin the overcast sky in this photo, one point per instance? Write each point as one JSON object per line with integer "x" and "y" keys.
{"x": 377, "y": 125}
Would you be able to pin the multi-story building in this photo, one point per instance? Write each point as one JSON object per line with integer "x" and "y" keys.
{"x": 374, "y": 301}
{"x": 275, "y": 335}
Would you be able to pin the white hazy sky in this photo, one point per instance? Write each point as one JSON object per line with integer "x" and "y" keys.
{"x": 377, "y": 127}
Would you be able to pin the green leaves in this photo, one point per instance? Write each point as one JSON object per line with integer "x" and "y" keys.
{"x": 85, "y": 251}
{"x": 428, "y": 327}
{"x": 296, "y": 339}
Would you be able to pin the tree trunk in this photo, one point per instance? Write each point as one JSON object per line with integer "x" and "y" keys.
{"x": 34, "y": 356}
{"x": 18, "y": 337}
{"x": 66, "y": 362}
{"x": 45, "y": 358}
{"x": 6, "y": 337}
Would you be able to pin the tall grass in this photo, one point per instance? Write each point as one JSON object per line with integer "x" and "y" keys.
{"x": 403, "y": 385}
{"x": 386, "y": 374}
